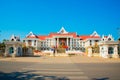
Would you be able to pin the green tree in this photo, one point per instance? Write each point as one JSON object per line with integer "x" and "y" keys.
{"x": 95, "y": 48}
{"x": 2, "y": 48}
{"x": 4, "y": 40}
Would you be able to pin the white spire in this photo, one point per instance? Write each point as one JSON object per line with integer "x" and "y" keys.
{"x": 62, "y": 31}
{"x": 94, "y": 34}
{"x": 31, "y": 34}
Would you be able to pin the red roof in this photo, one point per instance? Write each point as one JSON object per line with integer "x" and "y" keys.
{"x": 106, "y": 36}
{"x": 83, "y": 37}
{"x": 88, "y": 36}
{"x": 66, "y": 34}
{"x": 42, "y": 37}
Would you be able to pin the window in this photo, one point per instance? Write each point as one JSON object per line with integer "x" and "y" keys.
{"x": 29, "y": 42}
{"x": 23, "y": 40}
{"x": 35, "y": 43}
{"x": 96, "y": 40}
{"x": 11, "y": 50}
{"x": 110, "y": 50}
{"x": 90, "y": 42}
{"x": 109, "y": 39}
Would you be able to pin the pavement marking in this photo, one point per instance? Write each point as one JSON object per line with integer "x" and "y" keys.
{"x": 43, "y": 72}
{"x": 77, "y": 77}
{"x": 67, "y": 78}
{"x": 59, "y": 69}
{"x": 72, "y": 74}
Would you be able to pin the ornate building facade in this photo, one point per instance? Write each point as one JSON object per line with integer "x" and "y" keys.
{"x": 63, "y": 42}
{"x": 71, "y": 41}
{"x": 108, "y": 47}
{"x": 13, "y": 47}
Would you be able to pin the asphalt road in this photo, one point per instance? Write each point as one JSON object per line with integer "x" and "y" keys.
{"x": 16, "y": 70}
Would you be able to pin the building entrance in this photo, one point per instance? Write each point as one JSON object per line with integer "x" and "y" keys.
{"x": 62, "y": 43}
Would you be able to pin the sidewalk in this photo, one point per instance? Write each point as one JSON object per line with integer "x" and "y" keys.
{"x": 63, "y": 59}
{"x": 95, "y": 59}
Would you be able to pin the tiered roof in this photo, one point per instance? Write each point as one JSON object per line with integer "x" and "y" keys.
{"x": 63, "y": 33}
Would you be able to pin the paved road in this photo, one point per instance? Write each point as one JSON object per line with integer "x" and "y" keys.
{"x": 58, "y": 68}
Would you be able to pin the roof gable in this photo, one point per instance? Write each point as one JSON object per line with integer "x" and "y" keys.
{"x": 94, "y": 34}
{"x": 31, "y": 35}
{"x": 62, "y": 31}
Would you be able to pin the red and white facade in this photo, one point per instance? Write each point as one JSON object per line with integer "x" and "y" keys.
{"x": 71, "y": 41}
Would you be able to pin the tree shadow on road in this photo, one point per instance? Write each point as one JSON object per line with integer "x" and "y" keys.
{"x": 28, "y": 76}
{"x": 105, "y": 78}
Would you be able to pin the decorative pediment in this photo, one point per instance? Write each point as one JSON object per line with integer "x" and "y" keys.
{"x": 14, "y": 38}
{"x": 31, "y": 35}
{"x": 94, "y": 34}
{"x": 107, "y": 38}
{"x": 62, "y": 31}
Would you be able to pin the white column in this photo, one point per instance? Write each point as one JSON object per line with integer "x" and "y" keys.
{"x": 90, "y": 52}
{"x": 71, "y": 43}
{"x": 36, "y": 44}
{"x": 115, "y": 55}
{"x": 15, "y": 51}
{"x": 92, "y": 42}
{"x": 105, "y": 52}
{"x": 101, "y": 51}
{"x": 32, "y": 42}
{"x": 26, "y": 41}
{"x": 67, "y": 41}
{"x": 57, "y": 42}
{"x": 6, "y": 51}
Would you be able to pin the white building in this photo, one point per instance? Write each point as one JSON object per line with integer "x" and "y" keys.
{"x": 108, "y": 47}
{"x": 70, "y": 41}
{"x": 13, "y": 47}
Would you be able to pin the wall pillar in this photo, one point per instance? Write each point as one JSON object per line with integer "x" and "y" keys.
{"x": 33, "y": 42}
{"x": 57, "y": 42}
{"x": 15, "y": 51}
{"x": 101, "y": 51}
{"x": 90, "y": 52}
{"x": 36, "y": 44}
{"x": 105, "y": 54}
{"x": 6, "y": 51}
{"x": 115, "y": 55}
{"x": 70, "y": 43}
{"x": 54, "y": 42}
{"x": 26, "y": 41}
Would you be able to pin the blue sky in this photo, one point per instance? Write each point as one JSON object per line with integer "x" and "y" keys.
{"x": 19, "y": 17}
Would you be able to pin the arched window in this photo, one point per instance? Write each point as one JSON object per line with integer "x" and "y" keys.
{"x": 12, "y": 40}
{"x": 11, "y": 50}
{"x": 110, "y": 50}
{"x": 109, "y": 39}
{"x": 19, "y": 51}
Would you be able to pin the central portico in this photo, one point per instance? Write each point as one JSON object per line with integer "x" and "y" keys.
{"x": 64, "y": 39}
